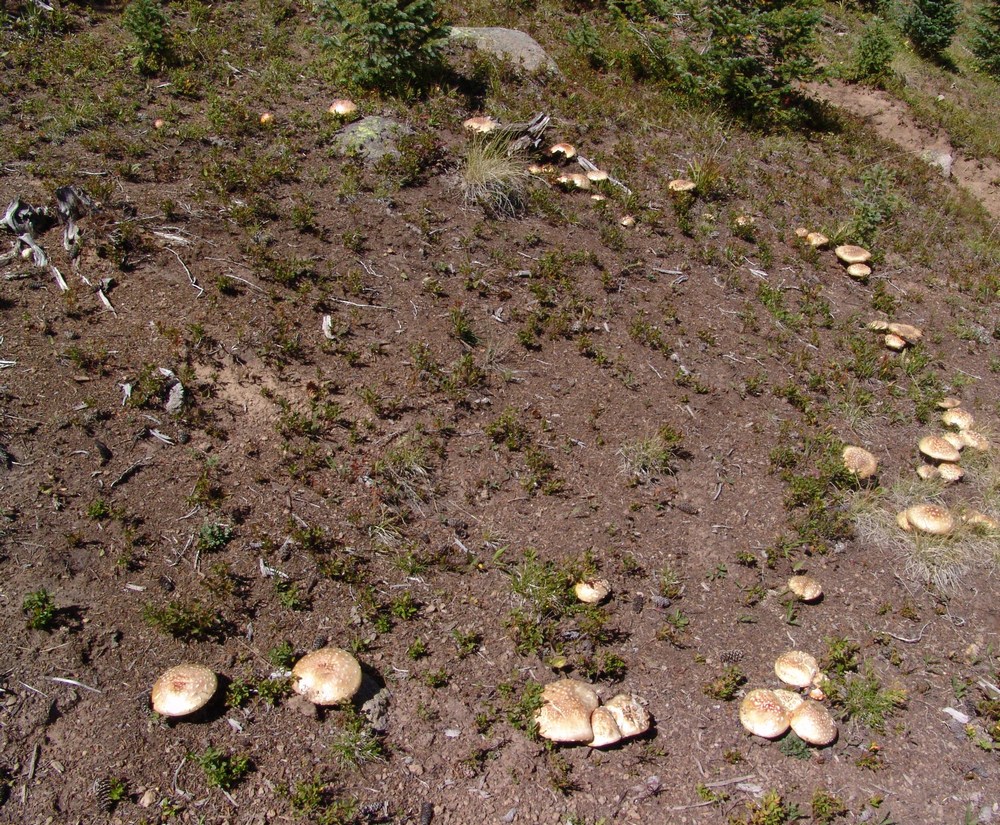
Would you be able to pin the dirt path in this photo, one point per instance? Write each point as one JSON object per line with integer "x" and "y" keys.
{"x": 892, "y": 120}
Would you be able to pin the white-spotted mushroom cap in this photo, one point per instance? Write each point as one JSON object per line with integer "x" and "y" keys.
{"x": 183, "y": 689}
{"x": 593, "y": 591}
{"x": 878, "y": 325}
{"x": 796, "y": 668}
{"x": 327, "y": 676}
{"x": 566, "y": 709}
{"x": 577, "y": 179}
{"x": 682, "y": 185}
{"x": 950, "y": 472}
{"x": 903, "y": 520}
{"x": 974, "y": 441}
{"x": 859, "y": 271}
{"x": 597, "y": 175}
{"x": 850, "y": 254}
{"x": 907, "y": 332}
{"x": 859, "y": 461}
{"x": 806, "y": 588}
{"x": 928, "y": 472}
{"x": 958, "y": 418}
{"x": 789, "y": 699}
{"x": 930, "y": 518}
{"x": 817, "y": 240}
{"x": 957, "y": 440}
{"x": 980, "y": 520}
{"x": 894, "y": 342}
{"x": 763, "y": 714}
{"x": 480, "y": 125}
{"x": 605, "y": 728}
{"x": 567, "y": 150}
{"x": 343, "y": 107}
{"x": 948, "y": 402}
{"x": 802, "y": 232}
{"x": 631, "y": 717}
{"x": 813, "y": 723}
{"x": 937, "y": 449}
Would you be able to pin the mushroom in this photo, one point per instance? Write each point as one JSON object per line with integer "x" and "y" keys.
{"x": 159, "y": 123}
{"x": 980, "y": 520}
{"x": 183, "y": 689}
{"x": 567, "y": 150}
{"x": 894, "y": 342}
{"x": 974, "y": 441}
{"x": 805, "y": 587}
{"x": 907, "y": 332}
{"x": 342, "y": 107}
{"x": 540, "y": 169}
{"x": 878, "y": 325}
{"x": 849, "y": 254}
{"x": 266, "y": 119}
{"x": 597, "y": 175}
{"x": 604, "y": 727}
{"x": 567, "y": 706}
{"x": 796, "y": 668}
{"x": 327, "y": 676}
{"x": 802, "y": 233}
{"x": 788, "y": 699}
{"x": 928, "y": 472}
{"x": 958, "y": 418}
{"x": 903, "y": 521}
{"x": 948, "y": 402}
{"x": 597, "y": 198}
{"x": 817, "y": 240}
{"x": 950, "y": 472}
{"x": 627, "y": 220}
{"x": 577, "y": 179}
{"x": 763, "y": 714}
{"x": 593, "y": 591}
{"x": 859, "y": 272}
{"x": 480, "y": 125}
{"x": 937, "y": 449}
{"x": 682, "y": 185}
{"x": 956, "y": 440}
{"x": 630, "y": 715}
{"x": 859, "y": 461}
{"x": 813, "y": 723}
{"x": 930, "y": 518}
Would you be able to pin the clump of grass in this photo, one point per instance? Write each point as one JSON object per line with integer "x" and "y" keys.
{"x": 649, "y": 458}
{"x": 493, "y": 177}
{"x": 356, "y": 743}
{"x": 863, "y": 698}
{"x": 222, "y": 770}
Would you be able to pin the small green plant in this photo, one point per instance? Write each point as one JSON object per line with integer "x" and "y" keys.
{"x": 282, "y": 655}
{"x": 607, "y": 667}
{"x": 794, "y": 747}
{"x": 404, "y": 607}
{"x": 826, "y": 807}
{"x": 213, "y": 536}
{"x": 99, "y": 510}
{"x": 272, "y": 691}
{"x": 290, "y": 595}
{"x": 184, "y": 620}
{"x": 931, "y": 24}
{"x": 862, "y": 697}
{"x": 466, "y": 643}
{"x": 238, "y": 693}
{"x": 222, "y": 770}
{"x": 436, "y": 678}
{"x": 522, "y": 702}
{"x": 872, "y": 59}
{"x": 771, "y": 810}
{"x": 41, "y": 610}
{"x": 417, "y": 649}
{"x": 356, "y": 743}
{"x": 150, "y": 28}
{"x": 725, "y": 687}
{"x": 841, "y": 656}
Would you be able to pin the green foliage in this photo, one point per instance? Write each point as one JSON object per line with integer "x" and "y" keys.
{"x": 392, "y": 46}
{"x": 862, "y": 697}
{"x": 356, "y": 743}
{"x": 726, "y": 686}
{"x": 794, "y": 747}
{"x": 650, "y": 458}
{"x": 931, "y": 24}
{"x": 282, "y": 655}
{"x": 986, "y": 38}
{"x": 150, "y": 28}
{"x": 826, "y": 807}
{"x": 187, "y": 621}
{"x": 771, "y": 810}
{"x": 221, "y": 769}
{"x": 841, "y": 656}
{"x": 872, "y": 59}
{"x": 213, "y": 536}
{"x": 41, "y": 610}
{"x": 875, "y": 203}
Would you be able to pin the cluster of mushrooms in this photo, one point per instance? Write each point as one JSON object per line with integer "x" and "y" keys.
{"x": 898, "y": 336}
{"x": 857, "y": 259}
{"x": 770, "y": 713}
{"x": 571, "y": 712}
{"x": 327, "y": 676}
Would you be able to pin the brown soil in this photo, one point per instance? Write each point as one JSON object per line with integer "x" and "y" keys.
{"x": 291, "y": 439}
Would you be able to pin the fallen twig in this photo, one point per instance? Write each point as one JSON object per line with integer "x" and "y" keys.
{"x": 191, "y": 279}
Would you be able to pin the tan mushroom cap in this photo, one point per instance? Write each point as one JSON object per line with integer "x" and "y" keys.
{"x": 788, "y": 699}
{"x": 859, "y": 271}
{"x": 806, "y": 588}
{"x": 980, "y": 520}
{"x": 850, "y": 254}
{"x": 541, "y": 169}
{"x": 802, "y": 232}
{"x": 813, "y": 723}
{"x": 596, "y": 198}
{"x": 958, "y": 418}
{"x": 566, "y": 709}
{"x": 796, "y": 668}
{"x": 480, "y": 125}
{"x": 957, "y": 440}
{"x": 859, "y": 461}
{"x": 763, "y": 714}
{"x": 183, "y": 689}
{"x": 743, "y": 221}
{"x": 577, "y": 179}
{"x": 937, "y": 449}
{"x": 907, "y": 332}
{"x": 903, "y": 521}
{"x": 878, "y": 325}
{"x": 948, "y": 402}
{"x": 343, "y": 106}
{"x": 597, "y": 175}
{"x": 894, "y": 342}
{"x": 593, "y": 591}
{"x": 567, "y": 150}
{"x": 974, "y": 441}
{"x": 327, "y": 676}
{"x": 950, "y": 472}
{"x": 682, "y": 185}
{"x": 630, "y": 716}
{"x": 928, "y": 472}
{"x": 930, "y": 518}
{"x": 817, "y": 240}
{"x": 605, "y": 728}
{"x": 627, "y": 220}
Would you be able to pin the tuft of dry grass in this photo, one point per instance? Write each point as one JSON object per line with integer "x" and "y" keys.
{"x": 493, "y": 177}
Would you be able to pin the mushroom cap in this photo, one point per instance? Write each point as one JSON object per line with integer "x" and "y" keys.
{"x": 796, "y": 668}
{"x": 480, "y": 125}
{"x": 593, "y": 591}
{"x": 627, "y": 220}
{"x": 908, "y": 332}
{"x": 327, "y": 676}
{"x": 813, "y": 723}
{"x": 567, "y": 150}
{"x": 266, "y": 118}
{"x": 682, "y": 185}
{"x": 630, "y": 715}
{"x": 763, "y": 714}
{"x": 859, "y": 271}
{"x": 567, "y": 706}
{"x": 806, "y": 588}
{"x": 948, "y": 402}
{"x": 577, "y": 179}
{"x": 343, "y": 106}
{"x": 183, "y": 689}
{"x": 605, "y": 728}
{"x": 981, "y": 520}
{"x": 817, "y": 240}
{"x": 937, "y": 449}
{"x": 788, "y": 699}
{"x": 903, "y": 521}
{"x": 597, "y": 175}
{"x": 541, "y": 169}
{"x": 974, "y": 441}
{"x": 950, "y": 472}
{"x": 860, "y": 462}
{"x": 850, "y": 254}
{"x": 928, "y": 472}
{"x": 878, "y": 325}
{"x": 956, "y": 440}
{"x": 930, "y": 518}
{"x": 958, "y": 418}
{"x": 802, "y": 232}
{"x": 745, "y": 221}
{"x": 894, "y": 342}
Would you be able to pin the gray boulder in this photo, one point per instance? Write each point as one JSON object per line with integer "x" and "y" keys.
{"x": 371, "y": 138}
{"x": 508, "y": 44}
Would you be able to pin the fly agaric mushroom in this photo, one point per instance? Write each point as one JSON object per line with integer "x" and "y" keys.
{"x": 597, "y": 175}
{"x": 958, "y": 418}
{"x": 576, "y": 179}
{"x": 950, "y": 472}
{"x": 817, "y": 240}
{"x": 980, "y": 520}
{"x": 907, "y": 332}
{"x": 627, "y": 220}
{"x": 788, "y": 699}
{"x": 930, "y": 518}
{"x": 605, "y": 728}
{"x": 593, "y": 591}
{"x": 327, "y": 676}
{"x": 480, "y": 125}
{"x": 813, "y": 723}
{"x": 342, "y": 107}
{"x": 894, "y": 342}
{"x": 850, "y": 254}
{"x": 903, "y": 521}
{"x": 806, "y": 588}
{"x": 796, "y": 668}
{"x": 859, "y": 272}
{"x": 763, "y": 714}
{"x": 802, "y": 233}
{"x": 975, "y": 441}
{"x": 859, "y": 461}
{"x": 266, "y": 119}
{"x": 681, "y": 185}
{"x": 567, "y": 706}
{"x": 878, "y": 325}
{"x": 183, "y": 689}
{"x": 948, "y": 402}
{"x": 630, "y": 716}
{"x": 938, "y": 449}
{"x": 567, "y": 150}
{"x": 928, "y": 472}
{"x": 956, "y": 440}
